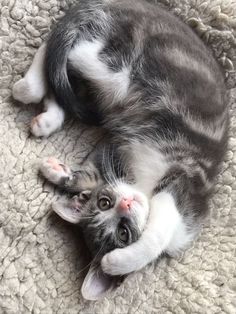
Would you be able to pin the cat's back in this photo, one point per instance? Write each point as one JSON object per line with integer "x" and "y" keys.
{"x": 165, "y": 57}
{"x": 177, "y": 94}
{"x": 142, "y": 59}
{"x": 152, "y": 51}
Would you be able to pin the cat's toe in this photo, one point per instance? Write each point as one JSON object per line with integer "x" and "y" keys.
{"x": 43, "y": 125}
{"x": 53, "y": 170}
{"x": 25, "y": 92}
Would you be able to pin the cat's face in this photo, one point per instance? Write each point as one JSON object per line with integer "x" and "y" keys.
{"x": 113, "y": 217}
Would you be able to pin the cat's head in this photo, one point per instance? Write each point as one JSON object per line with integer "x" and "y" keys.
{"x": 111, "y": 216}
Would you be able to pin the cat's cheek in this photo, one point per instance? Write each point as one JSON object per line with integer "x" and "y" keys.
{"x": 115, "y": 263}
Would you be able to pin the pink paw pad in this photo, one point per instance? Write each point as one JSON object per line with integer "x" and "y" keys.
{"x": 56, "y": 165}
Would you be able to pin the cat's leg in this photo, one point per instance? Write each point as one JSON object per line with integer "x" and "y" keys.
{"x": 49, "y": 121}
{"x": 86, "y": 178}
{"x": 164, "y": 223}
{"x": 32, "y": 87}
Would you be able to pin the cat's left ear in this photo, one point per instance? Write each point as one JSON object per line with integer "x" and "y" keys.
{"x": 97, "y": 283}
{"x": 70, "y": 210}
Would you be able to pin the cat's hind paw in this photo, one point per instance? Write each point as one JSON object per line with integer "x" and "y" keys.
{"x": 27, "y": 92}
{"x": 53, "y": 170}
{"x": 44, "y": 125}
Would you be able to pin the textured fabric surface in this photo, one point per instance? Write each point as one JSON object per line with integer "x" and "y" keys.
{"x": 41, "y": 257}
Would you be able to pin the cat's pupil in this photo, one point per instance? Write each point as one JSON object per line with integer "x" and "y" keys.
{"x": 105, "y": 203}
{"x": 123, "y": 234}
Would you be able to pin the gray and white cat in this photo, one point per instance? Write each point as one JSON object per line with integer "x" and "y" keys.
{"x": 148, "y": 80}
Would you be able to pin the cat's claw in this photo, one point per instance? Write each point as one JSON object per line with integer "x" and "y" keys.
{"x": 53, "y": 170}
{"x": 27, "y": 92}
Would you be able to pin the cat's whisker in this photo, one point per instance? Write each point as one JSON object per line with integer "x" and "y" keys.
{"x": 112, "y": 168}
{"x": 107, "y": 166}
{"x": 104, "y": 166}
{"x": 80, "y": 271}
{"x": 90, "y": 263}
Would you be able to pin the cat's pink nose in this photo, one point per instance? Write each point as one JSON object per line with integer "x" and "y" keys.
{"x": 125, "y": 204}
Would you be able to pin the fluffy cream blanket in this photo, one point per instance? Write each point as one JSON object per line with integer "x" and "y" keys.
{"x": 41, "y": 258}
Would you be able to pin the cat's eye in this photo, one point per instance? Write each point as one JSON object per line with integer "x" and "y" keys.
{"x": 104, "y": 203}
{"x": 123, "y": 234}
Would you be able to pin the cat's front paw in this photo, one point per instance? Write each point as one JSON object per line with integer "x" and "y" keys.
{"x": 53, "y": 170}
{"x": 116, "y": 263}
{"x": 26, "y": 92}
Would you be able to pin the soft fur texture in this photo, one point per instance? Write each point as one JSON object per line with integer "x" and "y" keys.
{"x": 154, "y": 87}
{"x": 40, "y": 257}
